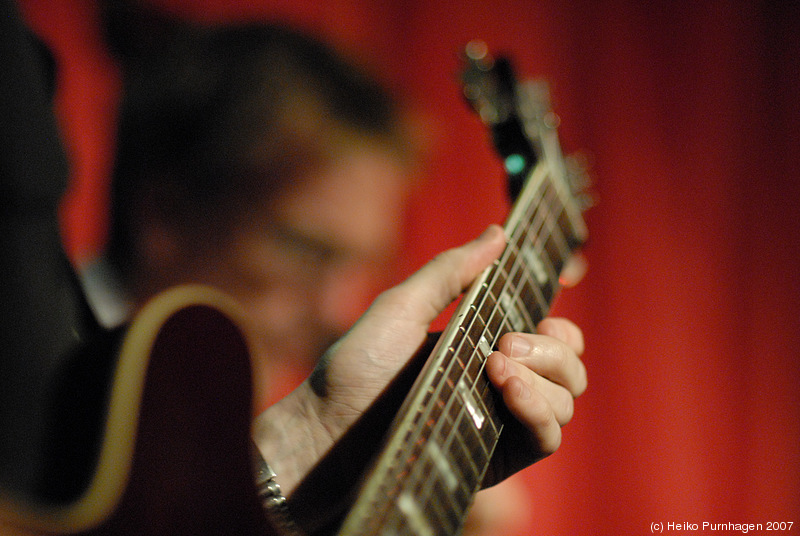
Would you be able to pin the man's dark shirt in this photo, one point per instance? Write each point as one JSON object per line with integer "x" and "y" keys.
{"x": 43, "y": 315}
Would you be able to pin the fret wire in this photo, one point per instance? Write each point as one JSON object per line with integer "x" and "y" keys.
{"x": 486, "y": 311}
{"x": 521, "y": 276}
{"x": 527, "y": 300}
{"x": 533, "y": 223}
{"x": 461, "y": 457}
{"x": 466, "y": 456}
{"x": 474, "y": 368}
{"x": 536, "y": 230}
{"x": 424, "y": 416}
{"x": 477, "y": 331}
{"x": 405, "y": 465}
{"x": 555, "y": 221}
{"x": 553, "y": 201}
{"x": 500, "y": 299}
{"x": 551, "y": 210}
{"x": 494, "y": 290}
{"x": 539, "y": 246}
{"x": 451, "y": 512}
{"x": 550, "y": 235}
{"x": 460, "y": 427}
{"x": 424, "y": 487}
{"x": 469, "y": 388}
{"x": 506, "y": 275}
{"x": 477, "y": 383}
{"x": 455, "y": 376}
{"x": 530, "y": 293}
{"x": 514, "y": 297}
{"x": 547, "y": 281}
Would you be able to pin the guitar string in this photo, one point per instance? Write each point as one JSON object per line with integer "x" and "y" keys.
{"x": 533, "y": 223}
{"x": 541, "y": 215}
{"x": 541, "y": 223}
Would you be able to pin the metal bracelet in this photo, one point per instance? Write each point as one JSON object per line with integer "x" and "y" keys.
{"x": 272, "y": 499}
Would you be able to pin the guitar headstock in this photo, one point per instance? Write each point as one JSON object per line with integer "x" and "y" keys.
{"x": 521, "y": 120}
{"x": 490, "y": 87}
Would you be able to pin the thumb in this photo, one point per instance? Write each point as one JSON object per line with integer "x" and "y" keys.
{"x": 425, "y": 294}
{"x": 396, "y": 325}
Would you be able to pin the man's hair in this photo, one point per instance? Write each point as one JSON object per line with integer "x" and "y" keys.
{"x": 223, "y": 117}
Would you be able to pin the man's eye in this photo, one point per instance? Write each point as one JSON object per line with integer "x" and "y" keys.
{"x": 305, "y": 247}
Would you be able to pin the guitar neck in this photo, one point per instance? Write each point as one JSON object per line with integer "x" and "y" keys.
{"x": 440, "y": 445}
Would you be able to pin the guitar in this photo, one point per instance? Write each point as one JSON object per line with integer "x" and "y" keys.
{"x": 439, "y": 446}
{"x": 157, "y": 440}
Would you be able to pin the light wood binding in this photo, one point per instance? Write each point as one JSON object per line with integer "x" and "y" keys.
{"x": 173, "y": 454}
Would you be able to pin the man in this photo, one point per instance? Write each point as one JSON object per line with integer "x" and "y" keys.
{"x": 257, "y": 161}
{"x": 289, "y": 196}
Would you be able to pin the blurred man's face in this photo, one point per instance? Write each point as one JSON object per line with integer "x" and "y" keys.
{"x": 309, "y": 266}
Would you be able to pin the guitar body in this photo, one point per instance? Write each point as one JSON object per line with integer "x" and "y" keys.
{"x": 171, "y": 454}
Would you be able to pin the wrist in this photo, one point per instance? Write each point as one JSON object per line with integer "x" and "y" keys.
{"x": 292, "y": 437}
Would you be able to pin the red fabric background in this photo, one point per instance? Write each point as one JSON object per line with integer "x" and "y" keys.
{"x": 691, "y": 309}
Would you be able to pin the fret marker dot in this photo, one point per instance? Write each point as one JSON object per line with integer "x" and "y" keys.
{"x": 515, "y": 163}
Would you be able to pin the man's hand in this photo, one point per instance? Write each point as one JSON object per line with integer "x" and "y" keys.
{"x": 537, "y": 375}
{"x": 360, "y": 365}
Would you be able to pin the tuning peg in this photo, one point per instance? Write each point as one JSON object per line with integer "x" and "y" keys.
{"x": 476, "y": 85}
{"x": 579, "y": 179}
{"x": 477, "y": 51}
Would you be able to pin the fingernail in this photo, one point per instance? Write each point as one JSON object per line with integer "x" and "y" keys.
{"x": 485, "y": 234}
{"x": 519, "y": 346}
{"x": 489, "y": 232}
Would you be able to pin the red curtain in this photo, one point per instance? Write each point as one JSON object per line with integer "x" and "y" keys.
{"x": 688, "y": 112}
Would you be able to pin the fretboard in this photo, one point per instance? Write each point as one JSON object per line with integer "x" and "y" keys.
{"x": 441, "y": 443}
